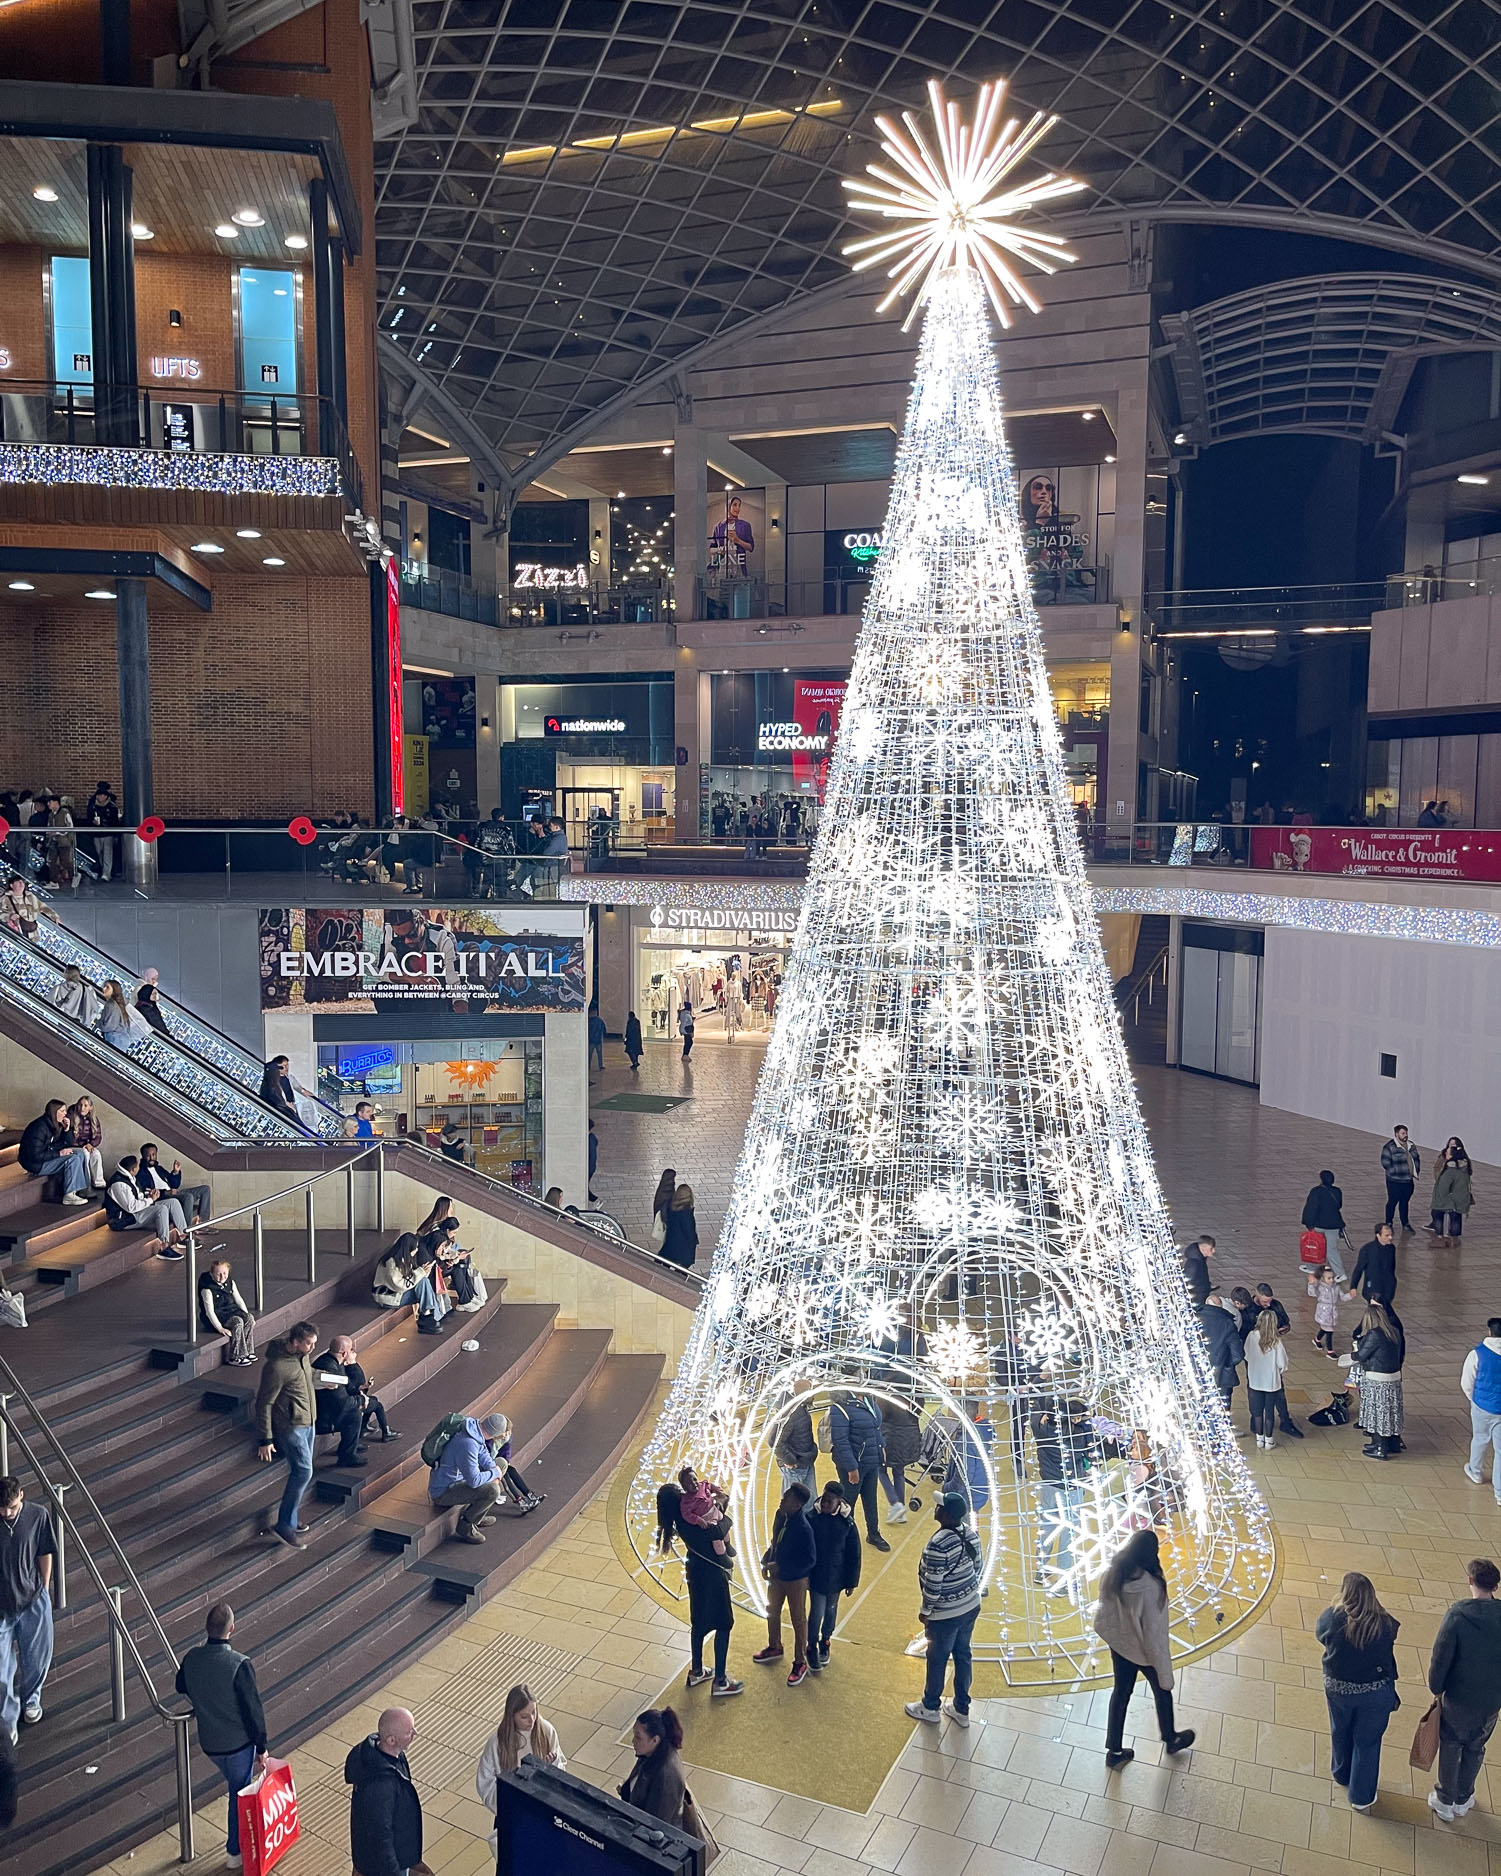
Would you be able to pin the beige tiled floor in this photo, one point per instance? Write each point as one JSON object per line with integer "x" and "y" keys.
{"x": 1025, "y": 1790}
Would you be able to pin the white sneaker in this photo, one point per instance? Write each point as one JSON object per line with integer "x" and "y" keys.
{"x": 959, "y": 1719}
{"x": 896, "y": 1514}
{"x": 1271, "y": 1442}
{"x": 74, "y": 1198}
{"x": 32, "y": 1711}
{"x": 1475, "y": 1478}
{"x": 1439, "y": 1809}
{"x": 915, "y": 1710}
{"x": 233, "y": 1859}
{"x": 1464, "y": 1810}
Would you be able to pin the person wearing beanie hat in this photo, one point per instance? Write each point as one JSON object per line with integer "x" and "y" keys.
{"x": 497, "y": 1431}
{"x": 948, "y": 1574}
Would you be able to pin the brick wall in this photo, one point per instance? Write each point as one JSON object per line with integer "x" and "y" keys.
{"x": 260, "y": 708}
{"x": 197, "y": 285}
{"x": 22, "y": 330}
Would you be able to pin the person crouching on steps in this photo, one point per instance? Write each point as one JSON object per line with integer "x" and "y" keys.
{"x": 789, "y": 1559}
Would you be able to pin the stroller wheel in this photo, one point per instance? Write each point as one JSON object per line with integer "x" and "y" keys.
{"x": 914, "y": 1504}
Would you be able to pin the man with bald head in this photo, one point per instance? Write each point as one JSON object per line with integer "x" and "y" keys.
{"x": 385, "y": 1813}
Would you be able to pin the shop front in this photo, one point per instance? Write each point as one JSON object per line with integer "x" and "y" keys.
{"x": 598, "y": 753}
{"x": 463, "y": 1030}
{"x": 725, "y": 962}
{"x": 771, "y": 745}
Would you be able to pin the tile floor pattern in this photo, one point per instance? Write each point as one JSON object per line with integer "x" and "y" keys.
{"x": 1025, "y": 1791}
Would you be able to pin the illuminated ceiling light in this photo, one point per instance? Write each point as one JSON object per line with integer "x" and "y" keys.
{"x": 226, "y": 231}
{"x": 295, "y": 241}
{"x": 620, "y": 495}
{"x": 952, "y": 210}
{"x": 667, "y": 449}
{"x": 1110, "y": 459}
{"x": 206, "y": 547}
{"x": 663, "y": 133}
{"x": 1475, "y": 482}
{"x": 272, "y": 560}
{"x": 44, "y": 193}
{"x": 1181, "y": 436}
{"x": 248, "y": 534}
{"x": 99, "y": 592}
{"x": 22, "y": 586}
{"x": 248, "y": 218}
{"x": 142, "y": 232}
{"x": 1086, "y": 416}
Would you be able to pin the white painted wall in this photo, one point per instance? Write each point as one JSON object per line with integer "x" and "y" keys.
{"x": 1332, "y": 1005}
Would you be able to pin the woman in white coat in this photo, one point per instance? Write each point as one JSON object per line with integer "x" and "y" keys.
{"x": 522, "y": 1730}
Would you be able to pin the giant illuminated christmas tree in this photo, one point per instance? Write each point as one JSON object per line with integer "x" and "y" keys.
{"x": 946, "y": 1195}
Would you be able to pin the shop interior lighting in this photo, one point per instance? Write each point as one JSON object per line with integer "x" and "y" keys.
{"x": 1110, "y": 459}
{"x": 663, "y": 133}
{"x": 206, "y": 547}
{"x": 43, "y": 192}
{"x": 227, "y": 231}
{"x": 248, "y": 218}
{"x": 22, "y": 586}
{"x": 272, "y": 560}
{"x": 1087, "y": 416}
{"x": 248, "y": 534}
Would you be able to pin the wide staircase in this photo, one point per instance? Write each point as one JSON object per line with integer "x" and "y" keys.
{"x": 151, "y": 1439}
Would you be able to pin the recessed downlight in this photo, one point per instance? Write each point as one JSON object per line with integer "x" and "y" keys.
{"x": 99, "y": 592}
{"x": 271, "y": 560}
{"x": 227, "y": 231}
{"x": 206, "y": 547}
{"x": 248, "y": 534}
{"x": 22, "y": 586}
{"x": 44, "y": 193}
{"x": 295, "y": 241}
{"x": 142, "y": 232}
{"x": 248, "y": 218}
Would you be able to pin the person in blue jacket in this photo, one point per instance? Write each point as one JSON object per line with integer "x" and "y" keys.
{"x": 836, "y": 1570}
{"x": 788, "y": 1563}
{"x": 859, "y": 1453}
{"x": 467, "y": 1476}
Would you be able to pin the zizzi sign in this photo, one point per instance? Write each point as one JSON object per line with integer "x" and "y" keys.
{"x": 774, "y": 736}
{"x": 531, "y": 573}
{"x": 583, "y": 726}
{"x": 723, "y": 918}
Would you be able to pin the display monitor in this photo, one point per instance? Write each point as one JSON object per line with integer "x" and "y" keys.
{"x": 550, "y": 1820}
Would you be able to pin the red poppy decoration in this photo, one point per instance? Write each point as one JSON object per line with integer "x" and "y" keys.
{"x": 302, "y": 831}
{"x": 152, "y": 828}
{"x": 4, "y": 827}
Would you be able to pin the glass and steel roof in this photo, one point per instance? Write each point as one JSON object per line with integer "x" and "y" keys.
{"x": 595, "y": 193}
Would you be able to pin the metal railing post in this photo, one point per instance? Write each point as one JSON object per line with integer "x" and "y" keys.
{"x": 258, "y": 1239}
{"x": 5, "y": 1400}
{"x": 60, "y": 1564}
{"x": 184, "y": 1788}
{"x": 349, "y": 1204}
{"x": 380, "y": 1190}
{"x": 312, "y": 1240}
{"x": 117, "y": 1656}
{"x": 191, "y": 1269}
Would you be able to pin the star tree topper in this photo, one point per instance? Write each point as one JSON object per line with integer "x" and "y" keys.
{"x": 956, "y": 209}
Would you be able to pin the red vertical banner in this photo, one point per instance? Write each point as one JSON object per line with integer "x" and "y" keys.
{"x": 393, "y": 684}
{"x": 816, "y": 705}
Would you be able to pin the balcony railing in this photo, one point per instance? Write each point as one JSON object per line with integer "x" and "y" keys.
{"x": 455, "y": 595}
{"x": 189, "y": 428}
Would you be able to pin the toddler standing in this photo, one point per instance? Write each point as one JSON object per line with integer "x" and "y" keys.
{"x": 1324, "y": 1289}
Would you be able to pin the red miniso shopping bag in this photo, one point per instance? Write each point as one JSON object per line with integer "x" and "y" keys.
{"x": 268, "y": 1818}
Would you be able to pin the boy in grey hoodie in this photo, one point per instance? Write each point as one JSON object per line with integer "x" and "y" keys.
{"x": 1464, "y": 1670}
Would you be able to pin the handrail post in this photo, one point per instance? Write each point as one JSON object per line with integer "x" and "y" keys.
{"x": 349, "y": 1204}
{"x": 60, "y": 1565}
{"x": 191, "y": 1268}
{"x": 184, "y": 1788}
{"x": 312, "y": 1255}
{"x": 5, "y": 1400}
{"x": 258, "y": 1239}
{"x": 380, "y": 1189}
{"x": 117, "y": 1657}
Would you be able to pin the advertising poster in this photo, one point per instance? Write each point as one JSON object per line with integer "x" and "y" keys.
{"x": 414, "y": 773}
{"x": 1393, "y": 852}
{"x": 367, "y": 958}
{"x": 1058, "y": 539}
{"x": 737, "y": 535}
{"x": 816, "y": 704}
{"x": 448, "y": 712}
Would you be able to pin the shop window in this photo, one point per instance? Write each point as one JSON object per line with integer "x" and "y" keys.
{"x": 72, "y": 321}
{"x": 268, "y": 331}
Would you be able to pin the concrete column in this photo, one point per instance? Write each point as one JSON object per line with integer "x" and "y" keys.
{"x": 323, "y": 331}
{"x": 486, "y": 742}
{"x": 565, "y": 1106}
{"x": 690, "y": 529}
{"x": 112, "y": 295}
{"x": 1119, "y": 779}
{"x": 685, "y": 728}
{"x": 1174, "y": 980}
{"x": 133, "y": 657}
{"x": 1127, "y": 580}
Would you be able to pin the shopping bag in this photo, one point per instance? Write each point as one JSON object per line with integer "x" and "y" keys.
{"x": 1313, "y": 1248}
{"x": 1425, "y": 1740}
{"x": 268, "y": 1818}
{"x": 694, "y": 1825}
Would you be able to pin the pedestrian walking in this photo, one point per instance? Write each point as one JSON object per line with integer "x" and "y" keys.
{"x": 1379, "y": 1350}
{"x": 1452, "y": 1196}
{"x": 28, "y": 1544}
{"x": 1481, "y": 1380}
{"x": 1131, "y": 1619}
{"x": 1323, "y": 1211}
{"x": 855, "y": 1435}
{"x": 1375, "y": 1272}
{"x": 836, "y": 1570}
{"x": 685, "y": 1028}
{"x": 1464, "y": 1675}
{"x": 220, "y": 1684}
{"x": 385, "y": 1813}
{"x": 796, "y": 1446}
{"x": 948, "y": 1575}
{"x": 1266, "y": 1363}
{"x": 1063, "y": 1440}
{"x": 661, "y": 1203}
{"x": 787, "y": 1565}
{"x": 680, "y": 1230}
{"x": 901, "y": 1443}
{"x": 1360, "y": 1685}
{"x": 633, "y": 1050}
{"x": 285, "y": 1413}
{"x": 1400, "y": 1165}
{"x": 593, "y": 1163}
{"x": 1325, "y": 1290}
{"x": 596, "y": 1037}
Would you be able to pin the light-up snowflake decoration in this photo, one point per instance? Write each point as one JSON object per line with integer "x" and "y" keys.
{"x": 955, "y": 1350}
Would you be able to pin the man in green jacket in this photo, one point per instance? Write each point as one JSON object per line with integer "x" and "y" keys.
{"x": 1464, "y": 1670}
{"x": 284, "y": 1417}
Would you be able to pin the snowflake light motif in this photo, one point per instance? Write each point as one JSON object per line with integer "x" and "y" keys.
{"x": 955, "y": 1350}
{"x": 1048, "y": 1336}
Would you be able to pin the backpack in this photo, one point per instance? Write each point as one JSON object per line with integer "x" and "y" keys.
{"x": 1336, "y": 1414}
{"x": 433, "y": 1446}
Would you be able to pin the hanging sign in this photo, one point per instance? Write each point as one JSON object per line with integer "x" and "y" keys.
{"x": 532, "y": 573}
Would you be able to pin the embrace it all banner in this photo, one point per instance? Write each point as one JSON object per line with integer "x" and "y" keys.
{"x": 367, "y": 958}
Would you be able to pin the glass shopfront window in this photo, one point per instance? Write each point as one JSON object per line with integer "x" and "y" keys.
{"x": 732, "y": 977}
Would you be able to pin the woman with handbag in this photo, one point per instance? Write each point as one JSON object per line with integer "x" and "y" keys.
{"x": 1360, "y": 1685}
{"x": 661, "y": 1201}
{"x": 656, "y": 1784}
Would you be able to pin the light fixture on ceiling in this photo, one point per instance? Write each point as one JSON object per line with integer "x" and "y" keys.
{"x": 99, "y": 592}
{"x": 227, "y": 231}
{"x": 1181, "y": 437}
{"x": 620, "y": 495}
{"x": 142, "y": 232}
{"x": 22, "y": 586}
{"x": 1110, "y": 459}
{"x": 272, "y": 560}
{"x": 1474, "y": 482}
{"x": 206, "y": 547}
{"x": 1087, "y": 416}
{"x": 43, "y": 192}
{"x": 295, "y": 241}
{"x": 248, "y": 218}
{"x": 666, "y": 449}
{"x": 248, "y": 534}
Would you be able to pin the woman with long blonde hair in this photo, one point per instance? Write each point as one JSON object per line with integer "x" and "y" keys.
{"x": 1266, "y": 1364}
{"x": 522, "y": 1730}
{"x": 1360, "y": 1684}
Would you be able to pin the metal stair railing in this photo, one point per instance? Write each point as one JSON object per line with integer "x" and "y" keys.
{"x": 121, "y": 1641}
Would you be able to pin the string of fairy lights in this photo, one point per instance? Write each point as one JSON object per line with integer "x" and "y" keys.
{"x": 946, "y": 1196}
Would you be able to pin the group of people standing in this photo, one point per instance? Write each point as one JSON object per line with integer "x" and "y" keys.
{"x": 44, "y": 834}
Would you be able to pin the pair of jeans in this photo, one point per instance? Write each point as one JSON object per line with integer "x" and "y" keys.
{"x": 864, "y": 1489}
{"x": 339, "y": 1413}
{"x": 804, "y": 1476}
{"x": 597, "y": 1054}
{"x": 1120, "y": 1698}
{"x": 823, "y": 1608}
{"x": 1485, "y": 1431}
{"x": 721, "y": 1651}
{"x": 1056, "y": 1528}
{"x": 25, "y": 1657}
{"x": 894, "y": 1484}
{"x": 1463, "y": 1733}
{"x": 373, "y": 1410}
{"x": 795, "y": 1595}
{"x": 946, "y": 1638}
{"x": 74, "y": 1168}
{"x": 1356, "y": 1724}
{"x": 236, "y": 1768}
{"x": 427, "y": 1299}
{"x": 1398, "y": 1196}
{"x": 295, "y": 1445}
{"x": 1456, "y": 1223}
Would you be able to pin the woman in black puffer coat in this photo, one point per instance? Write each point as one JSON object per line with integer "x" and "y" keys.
{"x": 902, "y": 1437}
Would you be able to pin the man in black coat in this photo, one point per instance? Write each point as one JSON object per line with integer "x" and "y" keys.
{"x": 1226, "y": 1350}
{"x": 1375, "y": 1272}
{"x": 1196, "y": 1267}
{"x": 1323, "y": 1210}
{"x": 385, "y": 1813}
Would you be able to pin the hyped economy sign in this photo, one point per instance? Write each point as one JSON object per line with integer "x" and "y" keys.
{"x": 367, "y": 958}
{"x": 1394, "y": 852}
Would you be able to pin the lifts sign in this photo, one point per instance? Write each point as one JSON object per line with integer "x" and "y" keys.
{"x": 366, "y": 958}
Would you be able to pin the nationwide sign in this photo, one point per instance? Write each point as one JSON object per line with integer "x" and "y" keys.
{"x": 1390, "y": 852}
{"x": 583, "y": 726}
{"x": 367, "y": 958}
{"x": 775, "y": 736}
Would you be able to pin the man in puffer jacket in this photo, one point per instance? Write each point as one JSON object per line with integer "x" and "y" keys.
{"x": 948, "y": 1574}
{"x": 856, "y": 1436}
{"x": 385, "y": 1813}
